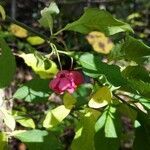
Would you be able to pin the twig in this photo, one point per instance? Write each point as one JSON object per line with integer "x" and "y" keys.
{"x": 27, "y": 28}
{"x": 123, "y": 101}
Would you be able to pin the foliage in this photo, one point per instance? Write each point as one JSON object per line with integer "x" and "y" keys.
{"x": 117, "y": 84}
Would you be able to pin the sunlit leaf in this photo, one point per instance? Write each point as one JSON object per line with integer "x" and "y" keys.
{"x": 38, "y": 63}
{"x": 101, "y": 98}
{"x": 22, "y": 119}
{"x": 38, "y": 139}
{"x": 35, "y": 90}
{"x": 100, "y": 42}
{"x": 35, "y": 40}
{"x": 55, "y": 116}
{"x": 101, "y": 121}
{"x": 9, "y": 120}
{"x": 47, "y": 15}
{"x": 108, "y": 130}
{"x": 3, "y": 141}
{"x": 84, "y": 138}
{"x": 69, "y": 101}
{"x": 2, "y": 12}
{"x": 31, "y": 135}
{"x": 103, "y": 21}
{"x": 94, "y": 67}
{"x": 18, "y": 31}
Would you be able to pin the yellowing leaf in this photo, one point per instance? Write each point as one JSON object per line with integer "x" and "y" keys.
{"x": 100, "y": 42}
{"x": 56, "y": 116}
{"x": 69, "y": 100}
{"x": 2, "y": 12}
{"x": 101, "y": 98}
{"x": 35, "y": 40}
{"x": 41, "y": 65}
{"x": 8, "y": 119}
{"x": 18, "y": 31}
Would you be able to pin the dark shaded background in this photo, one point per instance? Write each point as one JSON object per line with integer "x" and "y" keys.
{"x": 28, "y": 11}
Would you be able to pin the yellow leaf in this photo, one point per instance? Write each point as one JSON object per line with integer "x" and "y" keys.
{"x": 56, "y": 116}
{"x": 18, "y": 31}
{"x": 69, "y": 100}
{"x": 37, "y": 63}
{"x": 35, "y": 40}
{"x": 101, "y": 98}
{"x": 100, "y": 42}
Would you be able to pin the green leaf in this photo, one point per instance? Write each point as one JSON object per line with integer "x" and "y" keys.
{"x": 104, "y": 143}
{"x": 40, "y": 64}
{"x": 55, "y": 116}
{"x": 136, "y": 72}
{"x": 46, "y": 21}
{"x": 94, "y": 67}
{"x": 141, "y": 141}
{"x": 6, "y": 59}
{"x": 84, "y": 138}
{"x": 101, "y": 121}
{"x": 39, "y": 140}
{"x": 117, "y": 53}
{"x": 2, "y": 12}
{"x": 47, "y": 13}
{"x": 135, "y": 49}
{"x": 142, "y": 133}
{"x": 26, "y": 122}
{"x": 101, "y": 98}
{"x": 98, "y": 20}
{"x": 127, "y": 111}
{"x": 53, "y": 9}
{"x": 3, "y": 141}
{"x": 9, "y": 120}
{"x": 31, "y": 135}
{"x": 110, "y": 121}
{"x": 140, "y": 87}
{"x": 35, "y": 40}
{"x": 23, "y": 120}
{"x": 69, "y": 101}
{"x": 108, "y": 130}
{"x": 35, "y": 90}
{"x": 82, "y": 94}
{"x": 145, "y": 102}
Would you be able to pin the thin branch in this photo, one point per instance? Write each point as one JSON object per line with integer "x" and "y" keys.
{"x": 123, "y": 101}
{"x": 9, "y": 19}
